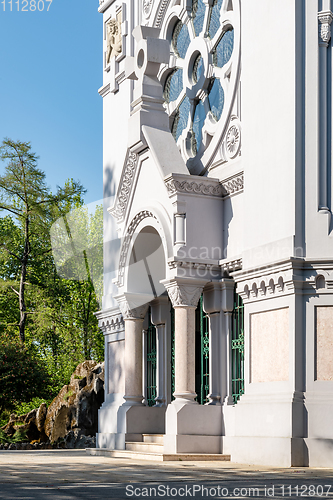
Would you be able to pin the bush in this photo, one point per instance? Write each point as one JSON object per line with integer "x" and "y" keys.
{"x": 23, "y": 376}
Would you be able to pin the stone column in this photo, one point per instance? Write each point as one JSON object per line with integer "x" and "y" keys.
{"x": 160, "y": 311}
{"x": 184, "y": 294}
{"x": 228, "y": 289}
{"x": 212, "y": 303}
{"x": 133, "y": 318}
{"x": 325, "y": 19}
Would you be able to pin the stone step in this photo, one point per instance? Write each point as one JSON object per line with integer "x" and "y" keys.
{"x": 158, "y": 457}
{"x": 144, "y": 447}
{"x": 152, "y": 438}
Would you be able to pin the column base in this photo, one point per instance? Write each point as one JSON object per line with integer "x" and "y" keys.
{"x": 272, "y": 451}
{"x": 184, "y": 398}
{"x": 192, "y": 428}
{"x": 127, "y": 420}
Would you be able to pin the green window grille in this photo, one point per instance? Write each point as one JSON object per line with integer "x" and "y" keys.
{"x": 237, "y": 348}
{"x": 201, "y": 354}
{"x": 172, "y": 313}
{"x": 151, "y": 362}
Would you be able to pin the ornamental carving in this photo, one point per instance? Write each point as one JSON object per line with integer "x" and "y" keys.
{"x": 233, "y": 141}
{"x": 325, "y": 20}
{"x": 147, "y": 6}
{"x": 113, "y": 38}
{"x": 125, "y": 187}
{"x": 126, "y": 243}
{"x": 184, "y": 295}
{"x": 174, "y": 186}
{"x": 161, "y": 13}
{"x": 233, "y": 184}
{"x": 134, "y": 312}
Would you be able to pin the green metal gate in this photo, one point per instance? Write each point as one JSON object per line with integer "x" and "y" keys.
{"x": 151, "y": 362}
{"x": 201, "y": 354}
{"x": 237, "y": 348}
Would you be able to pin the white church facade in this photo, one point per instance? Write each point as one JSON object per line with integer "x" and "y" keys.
{"x": 218, "y": 239}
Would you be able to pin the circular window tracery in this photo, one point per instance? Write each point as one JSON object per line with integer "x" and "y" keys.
{"x": 201, "y": 80}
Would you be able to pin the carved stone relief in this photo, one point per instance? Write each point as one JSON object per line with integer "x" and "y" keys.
{"x": 113, "y": 38}
{"x": 125, "y": 187}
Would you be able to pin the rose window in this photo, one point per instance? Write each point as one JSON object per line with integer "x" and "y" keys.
{"x": 201, "y": 79}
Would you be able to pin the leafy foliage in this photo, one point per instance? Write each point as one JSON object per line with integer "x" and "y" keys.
{"x": 22, "y": 375}
{"x": 48, "y": 294}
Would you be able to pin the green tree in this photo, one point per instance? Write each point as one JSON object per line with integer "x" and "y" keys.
{"x": 25, "y": 195}
{"x": 22, "y": 375}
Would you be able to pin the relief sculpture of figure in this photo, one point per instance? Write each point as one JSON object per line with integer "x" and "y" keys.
{"x": 113, "y": 39}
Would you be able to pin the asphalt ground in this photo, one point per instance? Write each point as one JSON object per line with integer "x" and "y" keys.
{"x": 72, "y": 474}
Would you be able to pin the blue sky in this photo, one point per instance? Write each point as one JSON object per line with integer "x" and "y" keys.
{"x": 51, "y": 69}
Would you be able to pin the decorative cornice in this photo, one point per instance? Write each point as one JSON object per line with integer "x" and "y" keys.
{"x": 231, "y": 265}
{"x": 184, "y": 293}
{"x": 126, "y": 243}
{"x": 233, "y": 184}
{"x": 292, "y": 276}
{"x": 104, "y": 4}
{"x": 325, "y": 18}
{"x": 190, "y": 186}
{"x": 125, "y": 187}
{"x": 110, "y": 321}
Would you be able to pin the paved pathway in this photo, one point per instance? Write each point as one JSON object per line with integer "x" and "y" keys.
{"x": 72, "y": 474}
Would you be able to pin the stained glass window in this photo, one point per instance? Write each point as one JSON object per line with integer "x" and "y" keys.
{"x": 198, "y": 121}
{"x": 173, "y": 85}
{"x": 198, "y": 15}
{"x": 181, "y": 118}
{"x": 197, "y": 84}
{"x": 214, "y": 22}
{"x": 223, "y": 50}
{"x": 216, "y": 99}
{"x": 181, "y": 39}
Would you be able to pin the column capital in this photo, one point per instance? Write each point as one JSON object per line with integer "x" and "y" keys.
{"x": 228, "y": 290}
{"x": 212, "y": 297}
{"x": 160, "y": 310}
{"x": 325, "y": 18}
{"x": 184, "y": 292}
{"x": 133, "y": 305}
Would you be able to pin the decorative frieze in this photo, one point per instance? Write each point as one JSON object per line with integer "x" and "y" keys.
{"x": 192, "y": 187}
{"x": 292, "y": 276}
{"x": 125, "y": 187}
{"x": 161, "y": 13}
{"x": 233, "y": 184}
{"x": 110, "y": 321}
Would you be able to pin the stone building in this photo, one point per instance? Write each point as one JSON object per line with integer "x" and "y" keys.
{"x": 218, "y": 279}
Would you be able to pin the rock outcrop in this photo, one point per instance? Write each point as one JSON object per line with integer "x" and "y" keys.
{"x": 76, "y": 406}
{"x": 71, "y": 420}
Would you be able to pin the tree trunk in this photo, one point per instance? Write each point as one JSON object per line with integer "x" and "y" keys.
{"x": 23, "y": 314}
